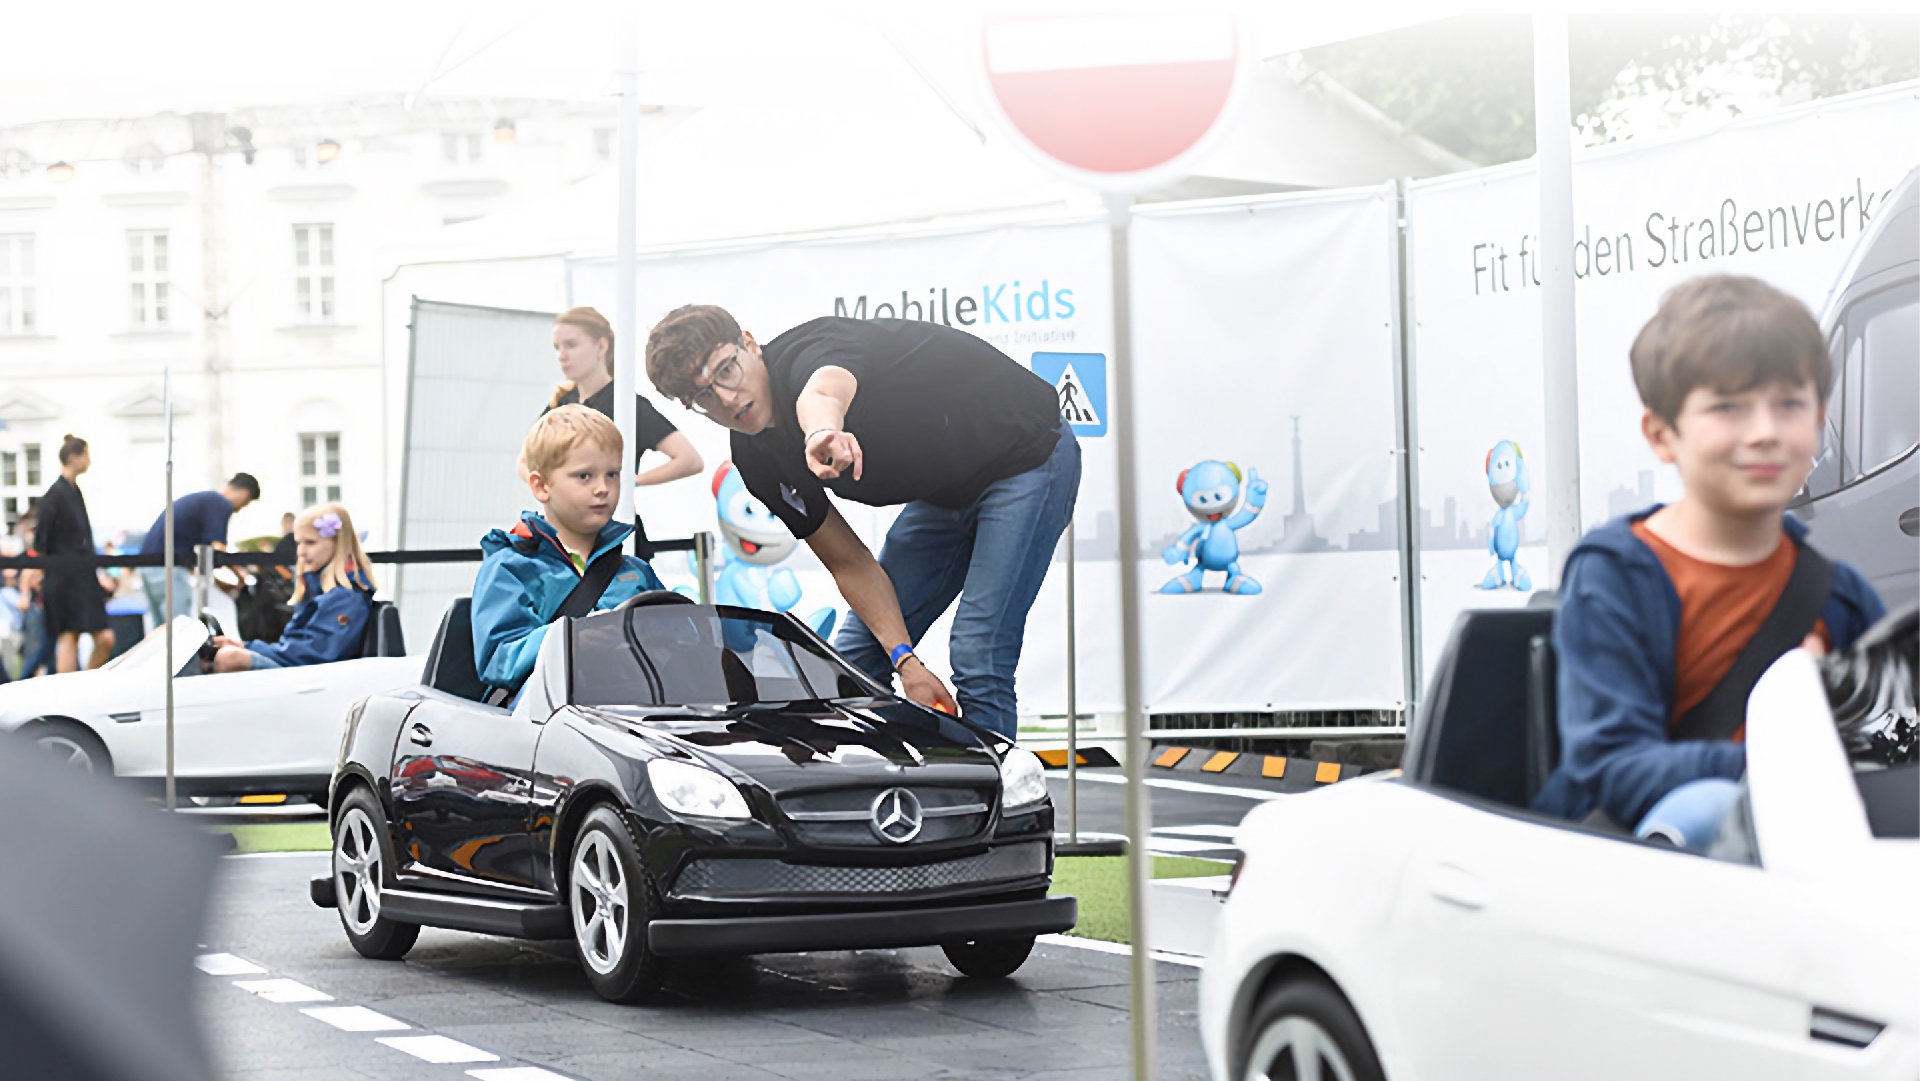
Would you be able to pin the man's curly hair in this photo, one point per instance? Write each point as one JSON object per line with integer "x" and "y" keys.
{"x": 679, "y": 344}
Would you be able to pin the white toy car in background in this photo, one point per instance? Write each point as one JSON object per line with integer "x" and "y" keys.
{"x": 1431, "y": 927}
{"x": 237, "y": 733}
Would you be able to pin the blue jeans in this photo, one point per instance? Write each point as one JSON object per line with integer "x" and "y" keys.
{"x": 1690, "y": 816}
{"x": 154, "y": 581}
{"x": 260, "y": 662}
{"x": 992, "y": 555}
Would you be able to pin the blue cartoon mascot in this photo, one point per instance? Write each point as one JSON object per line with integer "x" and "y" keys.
{"x": 756, "y": 540}
{"x": 1210, "y": 491}
{"x": 1507, "y": 480}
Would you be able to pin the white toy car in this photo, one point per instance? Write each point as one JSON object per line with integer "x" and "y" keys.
{"x": 1429, "y": 926}
{"x": 237, "y": 733}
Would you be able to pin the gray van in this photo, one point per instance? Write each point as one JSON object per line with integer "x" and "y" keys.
{"x": 1864, "y": 492}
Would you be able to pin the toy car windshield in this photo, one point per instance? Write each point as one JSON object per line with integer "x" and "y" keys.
{"x": 694, "y": 655}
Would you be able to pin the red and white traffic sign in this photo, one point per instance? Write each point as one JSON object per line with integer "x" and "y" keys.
{"x": 1116, "y": 101}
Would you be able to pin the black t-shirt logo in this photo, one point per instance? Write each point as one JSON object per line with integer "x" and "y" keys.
{"x": 794, "y": 499}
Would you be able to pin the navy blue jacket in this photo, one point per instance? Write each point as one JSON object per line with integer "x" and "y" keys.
{"x": 516, "y": 593}
{"x": 1615, "y": 636}
{"x": 325, "y": 627}
{"x": 198, "y": 518}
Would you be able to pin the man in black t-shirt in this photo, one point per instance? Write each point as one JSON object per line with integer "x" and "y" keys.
{"x": 888, "y": 412}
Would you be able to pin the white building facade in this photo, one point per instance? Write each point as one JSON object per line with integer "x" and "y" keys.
{"x": 241, "y": 253}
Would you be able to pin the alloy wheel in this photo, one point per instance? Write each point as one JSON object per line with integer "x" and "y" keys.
{"x": 599, "y": 887}
{"x": 356, "y": 870}
{"x": 1296, "y": 1048}
{"x": 66, "y": 751}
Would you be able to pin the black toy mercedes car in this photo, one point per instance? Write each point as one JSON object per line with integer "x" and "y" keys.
{"x": 679, "y": 779}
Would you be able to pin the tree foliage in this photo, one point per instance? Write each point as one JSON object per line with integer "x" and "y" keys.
{"x": 1466, "y": 83}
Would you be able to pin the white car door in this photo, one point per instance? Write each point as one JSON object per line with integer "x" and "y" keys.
{"x": 254, "y": 723}
{"x": 1527, "y": 950}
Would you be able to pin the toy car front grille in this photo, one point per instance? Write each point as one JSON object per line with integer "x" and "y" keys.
{"x": 843, "y": 818}
{"x": 714, "y": 878}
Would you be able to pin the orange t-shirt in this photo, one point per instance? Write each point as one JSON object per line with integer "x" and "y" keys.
{"x": 1721, "y": 608}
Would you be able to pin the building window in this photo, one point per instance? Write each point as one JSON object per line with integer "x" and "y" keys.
{"x": 148, "y": 274}
{"x": 19, "y": 481}
{"x": 18, "y": 314}
{"x": 460, "y": 147}
{"x": 319, "y": 468}
{"x": 313, "y": 273}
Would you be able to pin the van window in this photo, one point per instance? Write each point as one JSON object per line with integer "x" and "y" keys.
{"x": 1825, "y": 478}
{"x": 1888, "y": 329}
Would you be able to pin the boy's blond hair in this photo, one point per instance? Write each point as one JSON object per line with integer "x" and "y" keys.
{"x": 555, "y": 435}
{"x": 348, "y": 556}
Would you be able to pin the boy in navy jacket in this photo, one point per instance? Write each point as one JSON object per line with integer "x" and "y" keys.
{"x": 573, "y": 463}
{"x": 1656, "y": 606}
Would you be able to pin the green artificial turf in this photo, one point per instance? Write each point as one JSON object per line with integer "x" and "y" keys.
{"x": 1100, "y": 882}
{"x": 279, "y": 837}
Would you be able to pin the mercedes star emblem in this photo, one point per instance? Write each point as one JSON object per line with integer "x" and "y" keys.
{"x": 896, "y": 816}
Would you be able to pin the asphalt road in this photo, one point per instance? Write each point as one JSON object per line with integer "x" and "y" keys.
{"x": 525, "y": 1007}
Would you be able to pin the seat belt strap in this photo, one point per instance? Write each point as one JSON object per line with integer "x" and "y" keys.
{"x": 1723, "y": 711}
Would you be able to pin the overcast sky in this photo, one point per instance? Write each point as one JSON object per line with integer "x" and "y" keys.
{"x": 123, "y": 58}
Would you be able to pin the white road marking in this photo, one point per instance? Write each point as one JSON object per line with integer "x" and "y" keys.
{"x": 516, "y": 1073}
{"x": 1227, "y": 832}
{"x": 275, "y": 855}
{"x": 355, "y": 1019}
{"x": 1101, "y": 946}
{"x": 438, "y": 1049}
{"x": 226, "y": 964}
{"x": 1190, "y": 786}
{"x": 283, "y": 990}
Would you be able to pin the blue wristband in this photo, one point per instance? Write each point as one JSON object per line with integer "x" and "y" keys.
{"x": 900, "y": 653}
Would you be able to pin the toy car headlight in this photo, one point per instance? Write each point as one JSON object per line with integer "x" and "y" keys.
{"x": 1023, "y": 780}
{"x": 690, "y": 790}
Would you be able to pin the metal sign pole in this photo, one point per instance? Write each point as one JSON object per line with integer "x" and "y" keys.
{"x": 625, "y": 304}
{"x": 703, "y": 564}
{"x": 1073, "y": 707}
{"x": 1139, "y": 814}
{"x": 1553, "y": 144}
{"x": 165, "y": 622}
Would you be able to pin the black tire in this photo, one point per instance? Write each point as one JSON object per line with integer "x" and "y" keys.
{"x": 612, "y": 903}
{"x": 989, "y": 959}
{"x": 1306, "y": 1015}
{"x": 363, "y": 868}
{"x": 71, "y": 746}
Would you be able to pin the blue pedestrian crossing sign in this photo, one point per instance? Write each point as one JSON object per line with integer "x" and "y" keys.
{"x": 1080, "y": 383}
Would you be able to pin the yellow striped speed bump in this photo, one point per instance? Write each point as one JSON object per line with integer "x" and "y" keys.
{"x": 1294, "y": 774}
{"x": 1056, "y": 758}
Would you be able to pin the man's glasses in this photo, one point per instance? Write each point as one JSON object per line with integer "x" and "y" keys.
{"x": 726, "y": 377}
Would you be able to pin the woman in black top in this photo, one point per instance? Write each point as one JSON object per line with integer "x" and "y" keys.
{"x": 583, "y": 343}
{"x": 75, "y": 603}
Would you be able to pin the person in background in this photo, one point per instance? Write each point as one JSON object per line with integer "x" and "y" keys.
{"x": 198, "y": 518}
{"x": 583, "y": 344}
{"x": 74, "y": 600}
{"x": 330, "y": 601}
{"x": 36, "y": 643}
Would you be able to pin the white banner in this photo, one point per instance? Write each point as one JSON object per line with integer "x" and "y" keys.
{"x": 1263, "y": 334}
{"x": 1786, "y": 198}
{"x": 1041, "y": 292}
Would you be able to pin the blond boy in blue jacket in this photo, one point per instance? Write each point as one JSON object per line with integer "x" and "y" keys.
{"x": 573, "y": 463}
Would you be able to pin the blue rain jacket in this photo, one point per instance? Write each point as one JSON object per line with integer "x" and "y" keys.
{"x": 325, "y": 627}
{"x": 1615, "y": 636}
{"x": 521, "y": 584}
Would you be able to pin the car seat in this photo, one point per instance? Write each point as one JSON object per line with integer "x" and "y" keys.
{"x": 450, "y": 664}
{"x": 1482, "y": 730}
{"x": 383, "y": 637}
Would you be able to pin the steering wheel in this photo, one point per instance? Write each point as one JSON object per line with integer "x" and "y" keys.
{"x": 653, "y": 597}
